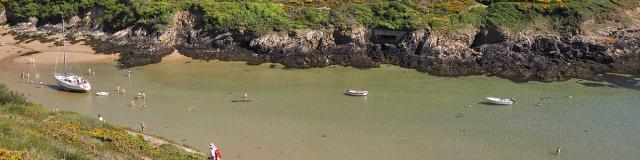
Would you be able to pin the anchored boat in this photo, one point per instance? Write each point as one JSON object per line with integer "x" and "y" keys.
{"x": 69, "y": 81}
{"x": 103, "y": 93}
{"x": 353, "y": 92}
{"x": 500, "y": 101}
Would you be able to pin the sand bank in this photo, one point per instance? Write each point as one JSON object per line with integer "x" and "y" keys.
{"x": 45, "y": 52}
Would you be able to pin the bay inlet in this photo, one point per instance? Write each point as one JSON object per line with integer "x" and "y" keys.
{"x": 302, "y": 113}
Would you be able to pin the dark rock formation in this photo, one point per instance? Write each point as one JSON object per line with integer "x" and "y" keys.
{"x": 530, "y": 57}
{"x": 552, "y": 58}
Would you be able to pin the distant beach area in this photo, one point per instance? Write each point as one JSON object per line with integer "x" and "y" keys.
{"x": 45, "y": 52}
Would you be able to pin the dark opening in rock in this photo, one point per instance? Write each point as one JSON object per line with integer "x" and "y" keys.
{"x": 489, "y": 35}
{"x": 387, "y": 36}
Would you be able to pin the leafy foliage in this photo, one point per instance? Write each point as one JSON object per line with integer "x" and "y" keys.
{"x": 10, "y": 97}
{"x": 260, "y": 17}
{"x": 309, "y": 17}
{"x": 252, "y": 16}
{"x": 119, "y": 14}
{"x": 388, "y": 15}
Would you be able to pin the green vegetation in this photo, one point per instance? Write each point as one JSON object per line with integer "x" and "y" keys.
{"x": 28, "y": 130}
{"x": 260, "y": 17}
{"x": 118, "y": 14}
{"x": 563, "y": 15}
{"x": 388, "y": 15}
{"x": 252, "y": 16}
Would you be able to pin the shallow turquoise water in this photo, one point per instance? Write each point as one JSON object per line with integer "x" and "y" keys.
{"x": 302, "y": 114}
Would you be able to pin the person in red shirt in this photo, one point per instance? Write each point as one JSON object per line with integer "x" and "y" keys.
{"x": 215, "y": 152}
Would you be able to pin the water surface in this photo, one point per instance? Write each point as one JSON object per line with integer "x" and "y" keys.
{"x": 302, "y": 114}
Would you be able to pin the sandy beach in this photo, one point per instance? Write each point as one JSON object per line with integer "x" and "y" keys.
{"x": 175, "y": 56}
{"x": 46, "y": 52}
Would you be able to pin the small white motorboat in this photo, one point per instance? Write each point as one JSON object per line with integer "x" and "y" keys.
{"x": 500, "y": 101}
{"x": 353, "y": 92}
{"x": 103, "y": 93}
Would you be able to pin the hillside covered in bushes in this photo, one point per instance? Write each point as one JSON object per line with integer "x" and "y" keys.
{"x": 283, "y": 15}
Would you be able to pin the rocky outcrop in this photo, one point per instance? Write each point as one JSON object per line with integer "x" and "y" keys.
{"x": 550, "y": 57}
{"x": 483, "y": 51}
{"x": 3, "y": 17}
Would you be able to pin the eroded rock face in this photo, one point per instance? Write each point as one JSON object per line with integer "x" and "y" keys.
{"x": 522, "y": 56}
{"x": 3, "y": 17}
{"x": 547, "y": 57}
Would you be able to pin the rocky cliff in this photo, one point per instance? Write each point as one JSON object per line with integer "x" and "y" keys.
{"x": 521, "y": 55}
{"x": 3, "y": 17}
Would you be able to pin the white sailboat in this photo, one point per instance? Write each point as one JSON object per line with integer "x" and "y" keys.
{"x": 69, "y": 81}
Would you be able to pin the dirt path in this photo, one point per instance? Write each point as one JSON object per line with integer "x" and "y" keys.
{"x": 156, "y": 141}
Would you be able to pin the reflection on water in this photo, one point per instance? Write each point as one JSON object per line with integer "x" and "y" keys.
{"x": 302, "y": 114}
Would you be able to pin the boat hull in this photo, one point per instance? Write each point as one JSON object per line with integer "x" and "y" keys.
{"x": 70, "y": 86}
{"x": 356, "y": 93}
{"x": 499, "y": 101}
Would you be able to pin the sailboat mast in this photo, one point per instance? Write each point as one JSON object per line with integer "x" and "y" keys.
{"x": 55, "y": 67}
{"x": 64, "y": 52}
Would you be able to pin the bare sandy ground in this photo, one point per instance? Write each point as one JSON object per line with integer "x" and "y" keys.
{"x": 175, "y": 56}
{"x": 46, "y": 52}
{"x": 39, "y": 52}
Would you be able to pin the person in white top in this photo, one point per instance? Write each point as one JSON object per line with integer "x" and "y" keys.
{"x": 100, "y": 118}
{"x": 215, "y": 152}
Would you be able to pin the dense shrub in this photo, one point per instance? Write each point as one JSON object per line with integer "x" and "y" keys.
{"x": 260, "y": 17}
{"x": 387, "y": 15}
{"x": 309, "y": 17}
{"x": 255, "y": 17}
{"x": 10, "y": 97}
{"x": 119, "y": 14}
